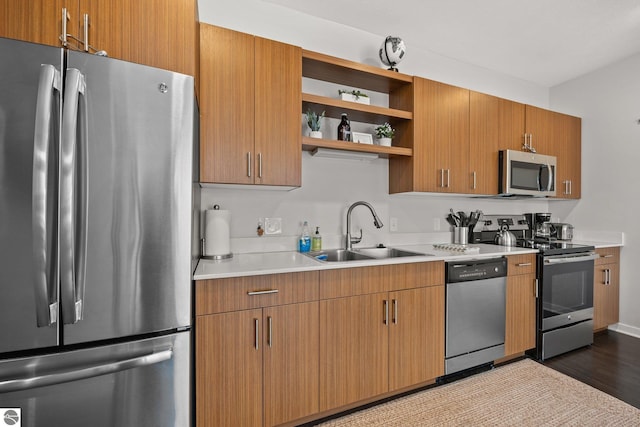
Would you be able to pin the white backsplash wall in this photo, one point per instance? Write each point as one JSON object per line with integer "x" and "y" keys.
{"x": 329, "y": 187}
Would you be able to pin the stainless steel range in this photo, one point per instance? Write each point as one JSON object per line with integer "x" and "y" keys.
{"x": 565, "y": 284}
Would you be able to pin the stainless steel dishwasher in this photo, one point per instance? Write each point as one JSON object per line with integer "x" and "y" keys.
{"x": 475, "y": 312}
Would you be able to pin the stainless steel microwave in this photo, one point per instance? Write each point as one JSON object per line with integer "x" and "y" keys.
{"x": 526, "y": 174}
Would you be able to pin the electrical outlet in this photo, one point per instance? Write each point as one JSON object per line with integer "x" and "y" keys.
{"x": 393, "y": 224}
{"x": 272, "y": 225}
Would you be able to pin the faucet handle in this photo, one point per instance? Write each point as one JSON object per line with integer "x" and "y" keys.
{"x": 357, "y": 239}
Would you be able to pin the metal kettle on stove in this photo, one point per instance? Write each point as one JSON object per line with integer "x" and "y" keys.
{"x": 505, "y": 237}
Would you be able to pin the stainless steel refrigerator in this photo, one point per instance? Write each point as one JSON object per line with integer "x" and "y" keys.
{"x": 97, "y": 232}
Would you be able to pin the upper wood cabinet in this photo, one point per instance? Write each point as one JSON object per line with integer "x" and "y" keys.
{"x": 37, "y": 21}
{"x": 158, "y": 33}
{"x": 440, "y": 161}
{"x": 568, "y": 150}
{"x": 250, "y": 105}
{"x": 495, "y": 124}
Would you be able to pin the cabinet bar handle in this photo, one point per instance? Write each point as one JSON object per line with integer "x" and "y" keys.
{"x": 385, "y": 305}
{"x": 259, "y": 165}
{"x": 249, "y": 164}
{"x": 63, "y": 36}
{"x": 474, "y": 180}
{"x": 448, "y": 177}
{"x": 607, "y": 256}
{"x": 442, "y": 178}
{"x": 570, "y": 187}
{"x": 531, "y": 141}
{"x": 395, "y": 311}
{"x": 604, "y": 276}
{"x": 256, "y": 327}
{"x": 268, "y": 291}
{"x": 608, "y": 276}
{"x": 523, "y": 264}
{"x": 270, "y": 336}
{"x": 537, "y": 284}
{"x": 85, "y": 19}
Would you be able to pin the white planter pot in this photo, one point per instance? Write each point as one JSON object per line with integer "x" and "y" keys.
{"x": 315, "y": 134}
{"x": 352, "y": 98}
{"x": 386, "y": 142}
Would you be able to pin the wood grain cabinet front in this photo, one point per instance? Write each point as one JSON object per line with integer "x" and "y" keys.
{"x": 250, "y": 104}
{"x": 158, "y": 33}
{"x": 375, "y": 341}
{"x": 606, "y": 288}
{"x": 257, "y": 349}
{"x": 520, "y": 325}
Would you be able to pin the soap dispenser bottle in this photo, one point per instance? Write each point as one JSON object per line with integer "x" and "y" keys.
{"x": 304, "y": 243}
{"x": 316, "y": 241}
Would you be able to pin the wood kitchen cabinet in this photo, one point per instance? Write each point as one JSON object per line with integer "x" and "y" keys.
{"x": 440, "y": 161}
{"x": 158, "y": 33}
{"x": 520, "y": 325}
{"x": 250, "y": 105}
{"x": 257, "y": 349}
{"x": 494, "y": 124}
{"x": 606, "y": 288}
{"x": 374, "y": 342}
{"x": 559, "y": 135}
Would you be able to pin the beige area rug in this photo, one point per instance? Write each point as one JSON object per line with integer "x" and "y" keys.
{"x": 523, "y": 393}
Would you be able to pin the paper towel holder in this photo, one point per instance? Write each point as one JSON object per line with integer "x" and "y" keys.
{"x": 213, "y": 257}
{"x": 203, "y": 246}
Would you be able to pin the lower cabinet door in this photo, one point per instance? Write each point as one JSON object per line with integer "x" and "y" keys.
{"x": 291, "y": 353}
{"x": 354, "y": 342}
{"x": 416, "y": 336}
{"x": 520, "y": 333}
{"x": 229, "y": 369}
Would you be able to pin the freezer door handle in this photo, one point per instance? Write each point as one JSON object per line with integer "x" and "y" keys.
{"x": 30, "y": 382}
{"x": 73, "y": 197}
{"x": 46, "y": 303}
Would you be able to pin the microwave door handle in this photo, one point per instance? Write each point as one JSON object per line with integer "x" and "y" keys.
{"x": 551, "y": 179}
{"x": 49, "y": 82}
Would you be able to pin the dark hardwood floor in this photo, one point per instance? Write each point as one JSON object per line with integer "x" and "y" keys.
{"x": 610, "y": 364}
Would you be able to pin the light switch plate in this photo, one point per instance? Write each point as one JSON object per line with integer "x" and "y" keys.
{"x": 272, "y": 225}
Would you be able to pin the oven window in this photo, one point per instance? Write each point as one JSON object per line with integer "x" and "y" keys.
{"x": 567, "y": 288}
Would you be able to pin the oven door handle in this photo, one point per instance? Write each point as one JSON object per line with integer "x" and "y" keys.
{"x": 563, "y": 259}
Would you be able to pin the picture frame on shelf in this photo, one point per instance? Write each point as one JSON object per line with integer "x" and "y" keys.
{"x": 362, "y": 138}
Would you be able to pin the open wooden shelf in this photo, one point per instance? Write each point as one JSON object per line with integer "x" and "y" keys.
{"x": 357, "y": 112}
{"x": 309, "y": 144}
{"x": 336, "y": 70}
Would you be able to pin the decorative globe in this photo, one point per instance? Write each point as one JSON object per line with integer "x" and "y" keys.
{"x": 392, "y": 52}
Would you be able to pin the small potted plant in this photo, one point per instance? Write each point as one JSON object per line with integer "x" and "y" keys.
{"x": 314, "y": 121}
{"x": 384, "y": 133}
{"x": 354, "y": 96}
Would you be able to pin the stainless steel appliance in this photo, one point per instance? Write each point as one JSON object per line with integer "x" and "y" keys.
{"x": 526, "y": 174}
{"x": 565, "y": 284}
{"x": 97, "y": 163}
{"x": 474, "y": 313}
{"x": 561, "y": 231}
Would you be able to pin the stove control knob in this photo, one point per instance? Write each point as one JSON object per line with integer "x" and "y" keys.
{"x": 569, "y": 317}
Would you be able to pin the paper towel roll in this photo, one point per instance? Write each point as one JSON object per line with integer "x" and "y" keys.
{"x": 217, "y": 225}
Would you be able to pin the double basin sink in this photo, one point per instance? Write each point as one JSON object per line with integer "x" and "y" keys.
{"x": 361, "y": 254}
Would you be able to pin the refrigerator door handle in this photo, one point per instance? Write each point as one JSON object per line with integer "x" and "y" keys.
{"x": 73, "y": 200}
{"x": 30, "y": 382}
{"x": 46, "y": 304}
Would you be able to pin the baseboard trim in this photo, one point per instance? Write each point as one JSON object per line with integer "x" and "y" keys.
{"x": 626, "y": 329}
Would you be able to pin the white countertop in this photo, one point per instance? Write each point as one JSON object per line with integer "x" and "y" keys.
{"x": 253, "y": 264}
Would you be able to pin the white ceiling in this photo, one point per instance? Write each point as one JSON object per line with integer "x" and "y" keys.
{"x": 546, "y": 42}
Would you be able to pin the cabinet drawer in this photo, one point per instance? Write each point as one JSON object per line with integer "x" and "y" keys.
{"x": 521, "y": 264}
{"x": 241, "y": 293}
{"x": 346, "y": 282}
{"x": 608, "y": 255}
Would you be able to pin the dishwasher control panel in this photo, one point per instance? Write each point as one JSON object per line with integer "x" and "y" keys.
{"x": 479, "y": 269}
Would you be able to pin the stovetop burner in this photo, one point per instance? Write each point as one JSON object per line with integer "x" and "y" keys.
{"x": 553, "y": 247}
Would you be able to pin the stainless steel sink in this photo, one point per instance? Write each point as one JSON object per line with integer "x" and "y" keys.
{"x": 360, "y": 254}
{"x": 337, "y": 255}
{"x": 382, "y": 253}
